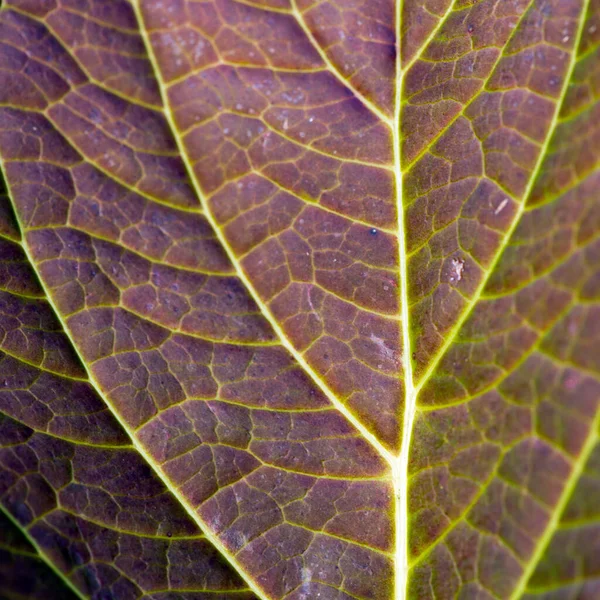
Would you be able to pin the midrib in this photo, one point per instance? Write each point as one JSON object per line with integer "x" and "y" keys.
{"x": 399, "y": 464}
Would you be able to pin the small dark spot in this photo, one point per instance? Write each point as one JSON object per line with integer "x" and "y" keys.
{"x": 414, "y": 356}
{"x": 373, "y": 231}
{"x": 470, "y": 28}
{"x": 326, "y": 356}
{"x": 169, "y": 534}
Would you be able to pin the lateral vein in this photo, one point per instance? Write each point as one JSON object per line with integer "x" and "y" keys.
{"x": 367, "y": 435}
{"x": 519, "y": 212}
{"x": 334, "y": 70}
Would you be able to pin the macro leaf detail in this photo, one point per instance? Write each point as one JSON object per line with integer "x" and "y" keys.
{"x": 300, "y": 299}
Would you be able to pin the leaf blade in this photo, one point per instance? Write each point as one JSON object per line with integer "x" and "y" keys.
{"x": 240, "y": 387}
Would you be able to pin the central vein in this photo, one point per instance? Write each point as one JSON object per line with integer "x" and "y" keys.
{"x": 400, "y": 464}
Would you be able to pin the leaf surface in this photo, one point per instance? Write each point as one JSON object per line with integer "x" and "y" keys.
{"x": 299, "y": 299}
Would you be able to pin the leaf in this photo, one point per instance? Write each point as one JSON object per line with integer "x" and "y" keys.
{"x": 286, "y": 315}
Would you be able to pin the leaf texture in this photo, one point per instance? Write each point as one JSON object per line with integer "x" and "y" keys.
{"x": 299, "y": 299}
